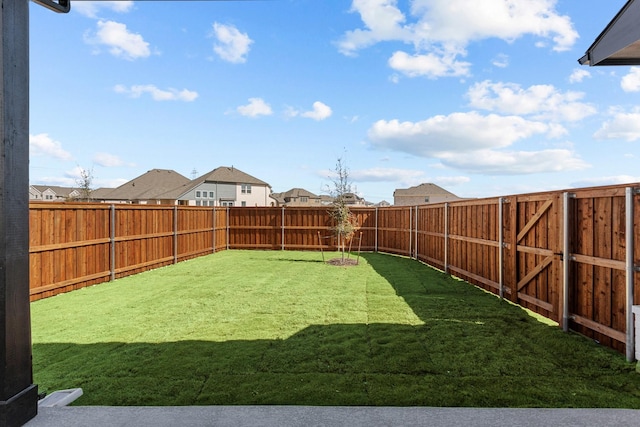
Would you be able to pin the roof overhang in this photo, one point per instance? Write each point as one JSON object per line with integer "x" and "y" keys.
{"x": 619, "y": 42}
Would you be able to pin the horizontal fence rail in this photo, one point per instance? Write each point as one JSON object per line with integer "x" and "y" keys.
{"x": 569, "y": 256}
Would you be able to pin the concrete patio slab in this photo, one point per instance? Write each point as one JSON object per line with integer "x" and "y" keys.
{"x": 201, "y": 416}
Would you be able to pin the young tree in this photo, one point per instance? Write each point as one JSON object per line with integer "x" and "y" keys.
{"x": 85, "y": 184}
{"x": 345, "y": 223}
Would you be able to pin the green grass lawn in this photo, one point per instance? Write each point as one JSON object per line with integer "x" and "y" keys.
{"x": 252, "y": 327}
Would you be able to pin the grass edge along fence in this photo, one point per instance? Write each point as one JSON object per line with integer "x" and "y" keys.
{"x": 567, "y": 255}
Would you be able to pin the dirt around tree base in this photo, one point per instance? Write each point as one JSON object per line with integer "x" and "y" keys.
{"x": 343, "y": 262}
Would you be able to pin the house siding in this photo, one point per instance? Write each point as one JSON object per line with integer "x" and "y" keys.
{"x": 259, "y": 196}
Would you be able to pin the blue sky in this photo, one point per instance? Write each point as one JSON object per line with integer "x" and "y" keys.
{"x": 483, "y": 98}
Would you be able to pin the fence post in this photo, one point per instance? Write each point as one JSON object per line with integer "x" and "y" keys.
{"x": 415, "y": 246}
{"x": 282, "y": 231}
{"x": 446, "y": 238}
{"x": 213, "y": 246}
{"x": 113, "y": 242}
{"x": 630, "y": 270}
{"x": 410, "y": 230}
{"x": 501, "y": 246}
{"x": 566, "y": 260}
{"x": 228, "y": 222}
{"x": 175, "y": 234}
{"x": 376, "y": 237}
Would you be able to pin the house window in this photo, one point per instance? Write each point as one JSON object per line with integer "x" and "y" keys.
{"x": 197, "y": 194}
{"x": 198, "y": 203}
{"x": 246, "y": 188}
{"x": 244, "y": 204}
{"x": 211, "y": 194}
{"x": 426, "y": 199}
{"x": 304, "y": 199}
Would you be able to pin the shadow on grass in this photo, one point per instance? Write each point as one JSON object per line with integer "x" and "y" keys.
{"x": 472, "y": 350}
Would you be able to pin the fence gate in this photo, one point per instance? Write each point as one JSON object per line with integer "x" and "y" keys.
{"x": 533, "y": 232}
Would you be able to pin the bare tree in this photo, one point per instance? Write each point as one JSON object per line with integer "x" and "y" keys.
{"x": 345, "y": 223}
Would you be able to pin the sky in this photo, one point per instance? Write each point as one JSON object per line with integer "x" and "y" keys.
{"x": 483, "y": 98}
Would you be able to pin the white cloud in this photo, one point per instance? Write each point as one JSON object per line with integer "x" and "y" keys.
{"x": 455, "y": 133}
{"x": 492, "y": 162}
{"x": 383, "y": 21}
{"x": 43, "y": 145}
{"x": 57, "y": 180}
{"x": 157, "y": 94}
{"x": 107, "y": 160}
{"x": 539, "y": 101}
{"x": 407, "y": 177}
{"x": 256, "y": 107}
{"x": 320, "y": 111}
{"x": 631, "y": 81}
{"x": 121, "y": 42}
{"x": 386, "y": 174}
{"x": 622, "y": 126}
{"x": 462, "y": 21}
{"x": 475, "y": 143}
{"x": 429, "y": 65}
{"x": 578, "y": 75}
{"x": 606, "y": 180}
{"x": 110, "y": 183}
{"x": 450, "y": 181}
{"x": 91, "y": 8}
{"x": 232, "y": 45}
{"x": 444, "y": 28}
{"x": 70, "y": 178}
{"x": 501, "y": 61}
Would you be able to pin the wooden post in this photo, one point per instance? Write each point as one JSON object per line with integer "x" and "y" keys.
{"x": 376, "y": 238}
{"x": 175, "y": 234}
{"x": 446, "y": 238}
{"x": 566, "y": 259}
{"x": 410, "y": 231}
{"x": 629, "y": 272}
{"x": 112, "y": 244}
{"x": 501, "y": 246}
{"x": 511, "y": 263}
{"x": 18, "y": 396}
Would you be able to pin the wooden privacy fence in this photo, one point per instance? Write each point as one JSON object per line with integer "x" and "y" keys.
{"x": 569, "y": 256}
{"x": 76, "y": 245}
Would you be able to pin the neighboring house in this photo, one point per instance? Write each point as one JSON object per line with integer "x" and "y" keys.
{"x": 147, "y": 188}
{"x": 52, "y": 193}
{"x": 223, "y": 186}
{"x": 296, "y": 197}
{"x": 352, "y": 199}
{"x": 326, "y": 200}
{"x": 383, "y": 204}
{"x": 100, "y": 194}
{"x": 422, "y": 194}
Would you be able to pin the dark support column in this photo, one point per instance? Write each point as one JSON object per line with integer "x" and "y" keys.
{"x": 18, "y": 396}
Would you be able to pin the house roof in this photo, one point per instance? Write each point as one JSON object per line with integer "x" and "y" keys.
{"x": 619, "y": 42}
{"x": 295, "y": 193}
{"x": 298, "y": 192}
{"x": 148, "y": 185}
{"x": 422, "y": 190}
{"x": 60, "y": 191}
{"x": 230, "y": 175}
{"x": 100, "y": 193}
{"x": 222, "y": 174}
